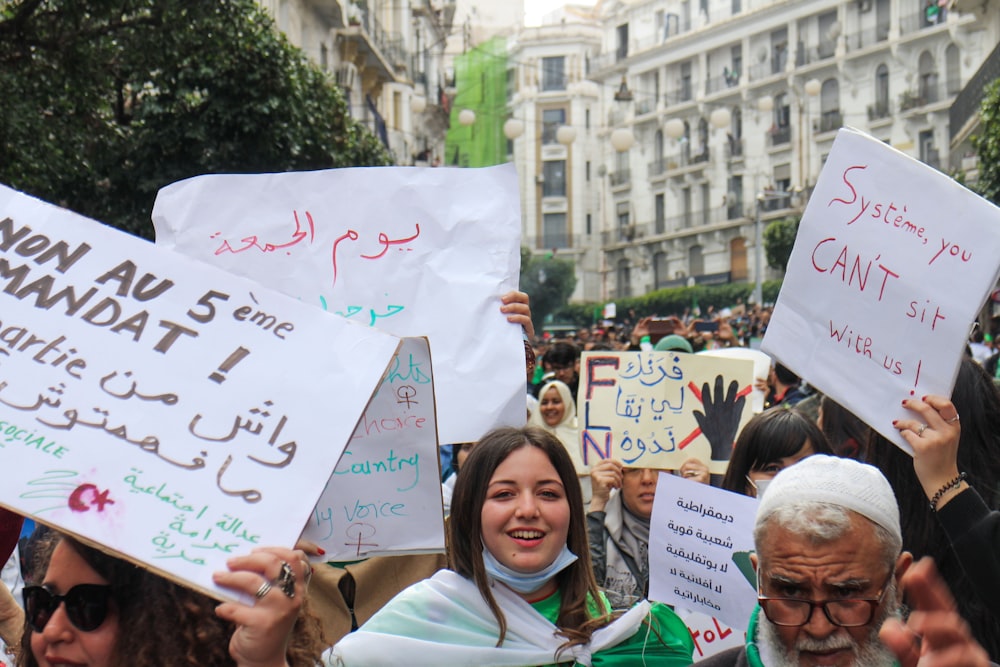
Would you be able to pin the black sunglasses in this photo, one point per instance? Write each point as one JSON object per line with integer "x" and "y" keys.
{"x": 86, "y": 605}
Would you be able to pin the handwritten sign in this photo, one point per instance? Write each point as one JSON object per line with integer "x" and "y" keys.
{"x": 892, "y": 261}
{"x": 700, "y": 539}
{"x": 159, "y": 406}
{"x": 651, "y": 409}
{"x": 415, "y": 252}
{"x": 385, "y": 495}
{"x": 710, "y": 635}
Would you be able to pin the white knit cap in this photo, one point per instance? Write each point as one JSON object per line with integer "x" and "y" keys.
{"x": 838, "y": 481}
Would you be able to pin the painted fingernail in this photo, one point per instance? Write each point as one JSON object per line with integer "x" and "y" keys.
{"x": 895, "y": 421}
{"x": 321, "y": 552}
{"x": 923, "y": 398}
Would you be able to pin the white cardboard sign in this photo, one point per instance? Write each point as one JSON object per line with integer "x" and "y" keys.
{"x": 647, "y": 409}
{"x": 385, "y": 495}
{"x": 161, "y": 407}
{"x": 892, "y": 261}
{"x": 415, "y": 252}
{"x": 700, "y": 540}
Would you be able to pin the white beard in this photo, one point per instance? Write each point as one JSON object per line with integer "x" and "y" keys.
{"x": 872, "y": 654}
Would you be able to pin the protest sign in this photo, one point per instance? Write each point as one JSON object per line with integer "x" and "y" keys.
{"x": 658, "y": 409}
{"x": 710, "y": 635}
{"x": 700, "y": 540}
{"x": 891, "y": 264}
{"x": 385, "y": 495}
{"x": 415, "y": 252}
{"x": 159, "y": 406}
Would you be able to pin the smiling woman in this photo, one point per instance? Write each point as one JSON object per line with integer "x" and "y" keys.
{"x": 519, "y": 557}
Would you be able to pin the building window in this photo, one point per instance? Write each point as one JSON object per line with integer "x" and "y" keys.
{"x": 659, "y": 213}
{"x": 696, "y": 261}
{"x": 829, "y": 105}
{"x": 621, "y": 53}
{"x": 551, "y": 120}
{"x": 554, "y": 232}
{"x": 660, "y": 272}
{"x": 686, "y": 89}
{"x": 881, "y": 107}
{"x": 554, "y": 73}
{"x": 554, "y": 176}
{"x": 952, "y": 70}
{"x": 590, "y": 229}
{"x": 624, "y": 229}
{"x": 927, "y": 86}
{"x": 586, "y": 170}
{"x": 624, "y": 279}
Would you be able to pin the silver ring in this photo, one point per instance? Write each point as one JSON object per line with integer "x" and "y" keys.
{"x": 952, "y": 420}
{"x": 920, "y": 431}
{"x": 264, "y": 589}
{"x": 286, "y": 580}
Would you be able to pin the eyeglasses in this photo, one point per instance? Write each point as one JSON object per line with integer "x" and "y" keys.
{"x": 845, "y": 612}
{"x": 86, "y": 605}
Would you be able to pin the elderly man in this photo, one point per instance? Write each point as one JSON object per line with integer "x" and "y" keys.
{"x": 829, "y": 560}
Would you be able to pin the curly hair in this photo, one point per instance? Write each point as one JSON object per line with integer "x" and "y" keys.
{"x": 162, "y": 624}
{"x": 576, "y": 583}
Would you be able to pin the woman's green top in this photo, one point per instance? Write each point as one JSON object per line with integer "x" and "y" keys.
{"x": 663, "y": 639}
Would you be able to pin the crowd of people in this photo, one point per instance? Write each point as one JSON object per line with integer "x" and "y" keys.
{"x": 863, "y": 556}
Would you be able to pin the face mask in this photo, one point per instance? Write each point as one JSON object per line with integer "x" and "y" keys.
{"x": 527, "y": 583}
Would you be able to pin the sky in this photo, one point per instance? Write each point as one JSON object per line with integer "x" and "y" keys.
{"x": 535, "y": 9}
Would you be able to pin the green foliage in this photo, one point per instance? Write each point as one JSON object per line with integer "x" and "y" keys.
{"x": 987, "y": 144}
{"x": 549, "y": 281}
{"x": 779, "y": 237}
{"x": 104, "y": 102}
{"x": 670, "y": 301}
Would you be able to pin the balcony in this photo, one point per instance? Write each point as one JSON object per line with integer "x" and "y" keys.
{"x": 879, "y": 110}
{"x": 780, "y": 134}
{"x": 924, "y": 95}
{"x": 830, "y": 121}
{"x": 862, "y": 39}
{"x": 967, "y": 103}
{"x": 657, "y": 168}
{"x": 620, "y": 178}
{"x": 922, "y": 20}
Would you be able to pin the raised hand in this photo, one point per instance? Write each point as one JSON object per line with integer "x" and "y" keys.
{"x": 721, "y": 417}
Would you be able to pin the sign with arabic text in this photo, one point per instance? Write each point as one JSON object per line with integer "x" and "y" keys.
{"x": 658, "y": 409}
{"x": 161, "y": 407}
{"x": 385, "y": 495}
{"x": 700, "y": 541}
{"x": 415, "y": 252}
{"x": 891, "y": 264}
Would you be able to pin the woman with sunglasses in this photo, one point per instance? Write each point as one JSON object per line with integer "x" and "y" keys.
{"x": 96, "y": 610}
{"x": 521, "y": 591}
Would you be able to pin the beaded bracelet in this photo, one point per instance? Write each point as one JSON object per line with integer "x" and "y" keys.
{"x": 945, "y": 489}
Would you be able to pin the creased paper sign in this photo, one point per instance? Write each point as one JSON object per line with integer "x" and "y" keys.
{"x": 164, "y": 408}
{"x": 892, "y": 262}
{"x": 415, "y": 252}
{"x": 385, "y": 495}
{"x": 658, "y": 409}
{"x": 700, "y": 541}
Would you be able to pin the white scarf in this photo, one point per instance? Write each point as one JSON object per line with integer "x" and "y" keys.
{"x": 445, "y": 621}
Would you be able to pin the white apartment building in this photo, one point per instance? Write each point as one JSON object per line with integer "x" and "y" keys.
{"x": 388, "y": 58}
{"x": 733, "y": 105}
